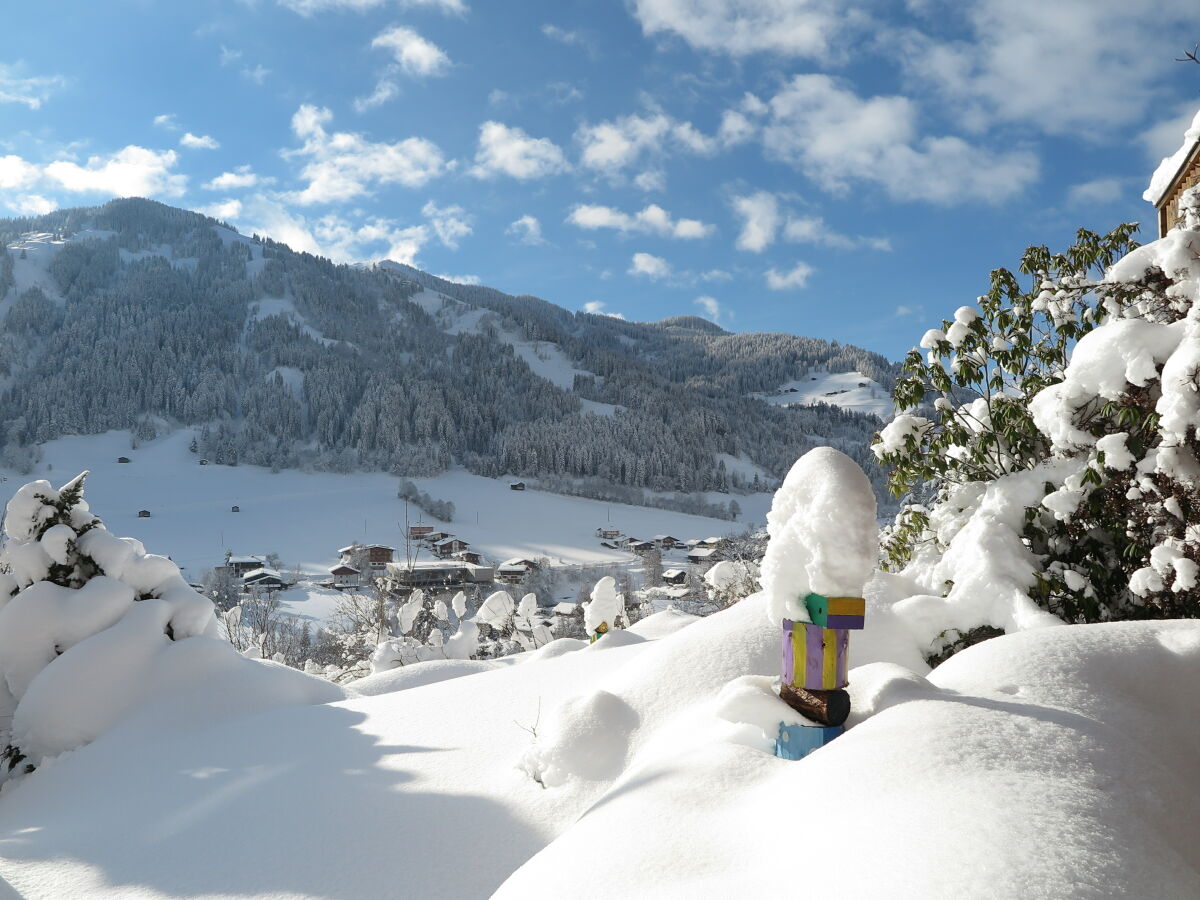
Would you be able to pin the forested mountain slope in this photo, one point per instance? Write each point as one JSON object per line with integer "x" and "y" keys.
{"x": 138, "y": 315}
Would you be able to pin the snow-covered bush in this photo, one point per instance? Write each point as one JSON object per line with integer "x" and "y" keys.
{"x": 1090, "y": 463}
{"x": 93, "y": 628}
{"x": 606, "y": 610}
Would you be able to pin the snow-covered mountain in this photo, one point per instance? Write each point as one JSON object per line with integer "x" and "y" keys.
{"x": 136, "y": 315}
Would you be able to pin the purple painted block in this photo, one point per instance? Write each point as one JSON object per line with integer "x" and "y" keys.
{"x": 844, "y": 622}
{"x": 814, "y": 658}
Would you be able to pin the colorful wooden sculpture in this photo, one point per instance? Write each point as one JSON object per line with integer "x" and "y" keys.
{"x": 836, "y": 612}
{"x": 814, "y": 657}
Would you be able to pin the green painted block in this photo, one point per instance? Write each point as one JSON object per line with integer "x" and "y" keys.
{"x": 836, "y": 612}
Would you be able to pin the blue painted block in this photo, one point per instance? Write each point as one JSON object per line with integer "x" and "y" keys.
{"x": 797, "y": 741}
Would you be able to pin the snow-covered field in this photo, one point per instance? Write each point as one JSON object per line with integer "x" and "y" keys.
{"x": 1044, "y": 764}
{"x": 306, "y": 517}
{"x": 849, "y": 390}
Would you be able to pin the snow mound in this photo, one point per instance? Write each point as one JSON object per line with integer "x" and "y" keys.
{"x": 823, "y": 534}
{"x": 420, "y": 674}
{"x": 662, "y": 624}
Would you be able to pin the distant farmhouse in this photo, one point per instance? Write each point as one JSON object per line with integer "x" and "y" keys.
{"x": 378, "y": 556}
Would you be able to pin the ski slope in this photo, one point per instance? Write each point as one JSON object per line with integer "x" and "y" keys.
{"x": 849, "y": 390}
{"x": 306, "y": 517}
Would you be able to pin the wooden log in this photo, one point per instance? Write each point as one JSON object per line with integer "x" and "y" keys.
{"x": 797, "y": 741}
{"x": 827, "y": 707}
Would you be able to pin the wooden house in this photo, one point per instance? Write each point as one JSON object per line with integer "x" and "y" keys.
{"x": 449, "y": 547}
{"x": 513, "y": 571}
{"x": 517, "y": 486}
{"x": 204, "y": 462}
{"x": 236, "y": 509}
{"x": 143, "y": 513}
{"x": 378, "y": 555}
{"x": 417, "y": 532}
{"x": 700, "y": 555}
{"x": 264, "y": 581}
{"x": 240, "y": 565}
{"x": 674, "y": 576}
{"x": 345, "y": 576}
{"x": 469, "y": 556}
{"x": 608, "y": 534}
{"x": 1175, "y": 175}
{"x": 122, "y": 459}
{"x": 439, "y": 573}
{"x": 666, "y": 542}
{"x": 639, "y": 547}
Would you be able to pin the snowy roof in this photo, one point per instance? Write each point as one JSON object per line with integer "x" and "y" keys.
{"x": 674, "y": 573}
{"x": 566, "y": 608}
{"x": 703, "y": 552}
{"x": 259, "y": 574}
{"x": 516, "y": 563}
{"x": 344, "y": 570}
{"x": 663, "y": 537}
{"x": 449, "y": 540}
{"x": 242, "y": 560}
{"x": 1169, "y": 168}
{"x": 351, "y": 548}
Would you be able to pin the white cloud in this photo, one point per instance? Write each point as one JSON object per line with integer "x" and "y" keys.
{"x": 1164, "y": 137}
{"x": 333, "y": 236}
{"x": 131, "y": 172}
{"x": 834, "y": 137}
{"x": 650, "y": 180}
{"x": 711, "y": 307}
{"x": 198, "y": 141}
{"x": 796, "y": 278}
{"x": 715, "y": 275}
{"x": 28, "y": 90}
{"x": 505, "y": 150}
{"x": 241, "y": 177}
{"x": 342, "y": 165}
{"x": 450, "y": 223}
{"x": 15, "y": 172}
{"x": 903, "y": 310}
{"x": 1066, "y": 67}
{"x": 308, "y": 7}
{"x": 228, "y": 210}
{"x": 597, "y": 308}
{"x": 31, "y": 205}
{"x": 1097, "y": 192}
{"x": 806, "y": 28}
{"x": 414, "y": 55}
{"x": 615, "y": 145}
{"x": 760, "y": 217}
{"x": 166, "y": 121}
{"x": 653, "y": 267}
{"x": 229, "y": 56}
{"x": 527, "y": 230}
{"x": 651, "y": 220}
{"x": 258, "y": 74}
{"x": 461, "y": 279}
{"x": 563, "y": 35}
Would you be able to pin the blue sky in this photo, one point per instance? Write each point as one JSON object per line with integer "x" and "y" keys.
{"x": 846, "y": 169}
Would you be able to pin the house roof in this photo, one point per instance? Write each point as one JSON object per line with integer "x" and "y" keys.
{"x": 1170, "y": 168}
{"x": 243, "y": 560}
{"x": 260, "y": 574}
{"x": 674, "y": 573}
{"x": 703, "y": 552}
{"x": 367, "y": 547}
{"x": 664, "y": 537}
{"x": 519, "y": 562}
{"x": 450, "y": 540}
{"x": 566, "y": 608}
{"x": 344, "y": 570}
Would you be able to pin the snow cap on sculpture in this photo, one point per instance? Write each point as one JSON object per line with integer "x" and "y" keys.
{"x": 823, "y": 534}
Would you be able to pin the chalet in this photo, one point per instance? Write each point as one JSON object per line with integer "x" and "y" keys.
{"x": 240, "y": 565}
{"x": 666, "y": 542}
{"x": 639, "y": 546}
{"x": 439, "y": 573}
{"x": 674, "y": 576}
{"x": 702, "y": 555}
{"x": 236, "y": 509}
{"x": 512, "y": 571}
{"x": 1175, "y": 175}
{"x": 710, "y": 542}
{"x": 434, "y": 536}
{"x": 143, "y": 513}
{"x": 469, "y": 556}
{"x": 264, "y": 580}
{"x": 417, "y": 532}
{"x": 517, "y": 486}
{"x": 608, "y": 534}
{"x": 449, "y": 547}
{"x": 345, "y": 576}
{"x": 379, "y": 556}
{"x": 122, "y": 459}
{"x": 204, "y": 462}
